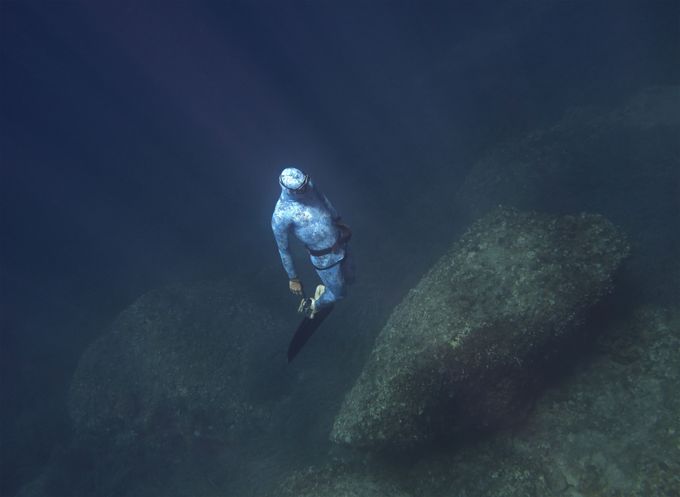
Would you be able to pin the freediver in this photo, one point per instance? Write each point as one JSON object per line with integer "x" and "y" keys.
{"x": 303, "y": 210}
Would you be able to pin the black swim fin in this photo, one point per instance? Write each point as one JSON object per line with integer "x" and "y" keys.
{"x": 305, "y": 330}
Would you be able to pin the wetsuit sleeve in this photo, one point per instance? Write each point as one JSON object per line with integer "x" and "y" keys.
{"x": 327, "y": 203}
{"x": 281, "y": 227}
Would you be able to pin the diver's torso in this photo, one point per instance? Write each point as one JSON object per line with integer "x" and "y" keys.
{"x": 312, "y": 224}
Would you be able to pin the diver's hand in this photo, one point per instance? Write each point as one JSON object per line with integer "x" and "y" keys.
{"x": 295, "y": 286}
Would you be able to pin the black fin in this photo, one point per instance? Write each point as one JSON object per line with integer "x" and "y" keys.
{"x": 305, "y": 330}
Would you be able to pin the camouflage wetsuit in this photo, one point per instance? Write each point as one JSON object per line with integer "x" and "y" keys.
{"x": 313, "y": 220}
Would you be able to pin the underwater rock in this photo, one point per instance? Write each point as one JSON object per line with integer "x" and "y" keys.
{"x": 610, "y": 429}
{"x": 170, "y": 399}
{"x": 604, "y": 161}
{"x": 621, "y": 162}
{"x": 184, "y": 370}
{"x": 462, "y": 349}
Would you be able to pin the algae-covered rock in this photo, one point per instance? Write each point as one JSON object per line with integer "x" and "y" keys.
{"x": 618, "y": 161}
{"x": 611, "y": 429}
{"x": 178, "y": 368}
{"x": 177, "y": 398}
{"x": 462, "y": 348}
{"x": 621, "y": 162}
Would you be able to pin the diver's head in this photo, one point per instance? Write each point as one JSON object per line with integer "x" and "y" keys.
{"x": 294, "y": 181}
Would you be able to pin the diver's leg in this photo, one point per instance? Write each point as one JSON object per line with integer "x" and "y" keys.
{"x": 333, "y": 280}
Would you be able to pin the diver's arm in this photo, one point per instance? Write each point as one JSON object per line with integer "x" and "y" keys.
{"x": 327, "y": 203}
{"x": 281, "y": 227}
{"x": 345, "y": 232}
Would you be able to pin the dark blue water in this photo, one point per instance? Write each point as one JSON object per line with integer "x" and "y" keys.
{"x": 141, "y": 144}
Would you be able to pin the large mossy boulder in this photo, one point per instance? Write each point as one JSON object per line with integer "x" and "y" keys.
{"x": 464, "y": 347}
{"x": 186, "y": 393}
{"x": 621, "y": 162}
{"x": 610, "y": 429}
{"x": 184, "y": 367}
